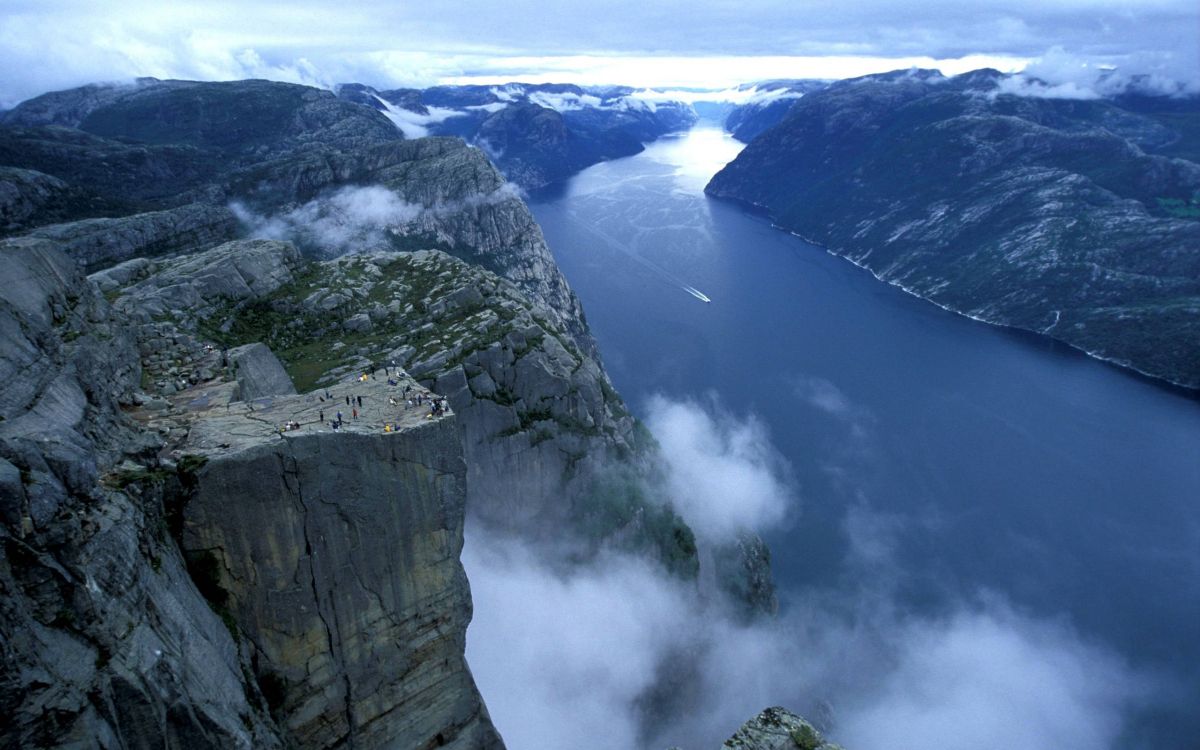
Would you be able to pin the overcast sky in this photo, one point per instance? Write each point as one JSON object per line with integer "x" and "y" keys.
{"x": 50, "y": 44}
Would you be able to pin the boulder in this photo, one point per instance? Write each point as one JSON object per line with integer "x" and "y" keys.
{"x": 259, "y": 372}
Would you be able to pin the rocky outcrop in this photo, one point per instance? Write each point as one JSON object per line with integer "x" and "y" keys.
{"x": 100, "y": 243}
{"x": 164, "y": 144}
{"x": 104, "y": 641}
{"x": 195, "y": 284}
{"x": 248, "y": 119}
{"x": 337, "y": 555}
{"x": 339, "y": 608}
{"x": 24, "y": 195}
{"x": 549, "y": 444}
{"x": 777, "y": 729}
{"x": 258, "y": 372}
{"x": 1041, "y": 214}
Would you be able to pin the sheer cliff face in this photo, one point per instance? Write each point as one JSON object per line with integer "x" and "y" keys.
{"x": 338, "y": 555}
{"x": 318, "y": 600}
{"x": 1053, "y": 216}
{"x": 548, "y": 442}
{"x": 333, "y": 559}
{"x": 103, "y": 638}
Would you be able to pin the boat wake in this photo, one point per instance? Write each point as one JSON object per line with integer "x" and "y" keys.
{"x": 658, "y": 270}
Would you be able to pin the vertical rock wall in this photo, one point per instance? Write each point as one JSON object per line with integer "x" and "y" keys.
{"x": 338, "y": 557}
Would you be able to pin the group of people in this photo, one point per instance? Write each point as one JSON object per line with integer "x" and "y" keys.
{"x": 412, "y": 399}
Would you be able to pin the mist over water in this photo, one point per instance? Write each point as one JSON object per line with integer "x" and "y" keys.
{"x": 982, "y": 539}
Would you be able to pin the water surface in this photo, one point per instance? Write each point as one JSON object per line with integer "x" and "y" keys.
{"x": 1002, "y": 463}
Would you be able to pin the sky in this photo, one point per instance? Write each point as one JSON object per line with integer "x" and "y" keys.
{"x": 53, "y": 44}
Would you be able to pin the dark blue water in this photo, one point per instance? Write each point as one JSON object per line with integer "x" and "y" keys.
{"x": 1004, "y": 463}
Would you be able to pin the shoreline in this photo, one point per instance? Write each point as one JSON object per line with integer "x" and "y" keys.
{"x": 754, "y": 209}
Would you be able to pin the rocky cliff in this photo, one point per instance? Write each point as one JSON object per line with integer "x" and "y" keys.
{"x": 1074, "y": 219}
{"x": 236, "y": 584}
{"x": 336, "y": 553}
{"x": 548, "y": 442}
{"x": 778, "y": 729}
{"x": 176, "y": 571}
{"x": 105, "y": 640}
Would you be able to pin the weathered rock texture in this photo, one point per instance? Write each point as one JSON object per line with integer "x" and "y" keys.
{"x": 104, "y": 641}
{"x": 777, "y": 729}
{"x": 548, "y": 442}
{"x": 26, "y": 195}
{"x": 1047, "y": 215}
{"x": 337, "y": 553}
{"x": 258, "y": 372}
{"x": 337, "y": 610}
{"x": 100, "y": 243}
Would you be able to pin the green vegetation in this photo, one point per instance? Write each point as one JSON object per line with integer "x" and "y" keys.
{"x": 806, "y": 738}
{"x": 620, "y": 507}
{"x": 1180, "y": 208}
{"x": 124, "y": 478}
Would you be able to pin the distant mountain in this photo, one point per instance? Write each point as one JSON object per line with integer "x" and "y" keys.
{"x": 156, "y": 144}
{"x": 767, "y": 103}
{"x": 1076, "y": 218}
{"x": 536, "y": 134}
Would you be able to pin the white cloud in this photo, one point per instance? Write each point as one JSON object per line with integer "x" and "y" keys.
{"x": 61, "y": 43}
{"x": 570, "y": 655}
{"x": 993, "y": 679}
{"x": 723, "y": 474}
{"x": 569, "y": 658}
{"x": 353, "y": 219}
{"x": 1058, "y": 74}
{"x": 358, "y": 219}
{"x": 415, "y": 124}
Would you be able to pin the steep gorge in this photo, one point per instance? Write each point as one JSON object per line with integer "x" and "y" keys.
{"x": 177, "y": 570}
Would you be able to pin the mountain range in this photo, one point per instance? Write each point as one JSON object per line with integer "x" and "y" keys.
{"x": 1078, "y": 219}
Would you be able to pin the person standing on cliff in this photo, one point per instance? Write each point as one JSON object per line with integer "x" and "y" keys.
{"x": 320, "y": 415}
{"x": 354, "y": 413}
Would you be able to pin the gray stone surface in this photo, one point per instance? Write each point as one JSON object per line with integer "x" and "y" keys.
{"x": 258, "y": 372}
{"x": 777, "y": 729}
{"x": 229, "y": 273}
{"x": 339, "y": 552}
{"x": 23, "y": 194}
{"x": 104, "y": 641}
{"x": 105, "y": 637}
{"x": 100, "y": 243}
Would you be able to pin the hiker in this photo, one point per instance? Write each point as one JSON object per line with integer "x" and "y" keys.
{"x": 339, "y": 416}
{"x": 354, "y": 412}
{"x": 347, "y": 401}
{"x": 321, "y": 415}
{"x": 360, "y": 401}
